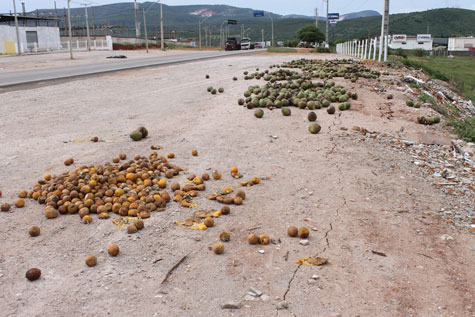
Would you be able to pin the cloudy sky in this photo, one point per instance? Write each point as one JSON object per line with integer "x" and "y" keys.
{"x": 305, "y": 7}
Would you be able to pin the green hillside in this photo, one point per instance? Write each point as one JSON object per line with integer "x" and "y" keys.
{"x": 441, "y": 23}
{"x": 183, "y": 20}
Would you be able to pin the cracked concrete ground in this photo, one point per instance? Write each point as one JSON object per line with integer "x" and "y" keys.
{"x": 355, "y": 196}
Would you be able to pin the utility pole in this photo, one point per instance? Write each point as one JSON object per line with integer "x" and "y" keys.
{"x": 87, "y": 29}
{"x": 137, "y": 19}
{"x": 326, "y": 32}
{"x": 384, "y": 28}
{"x": 316, "y": 17}
{"x": 264, "y": 43}
{"x": 23, "y": 8}
{"x": 272, "y": 20}
{"x": 145, "y": 29}
{"x": 70, "y": 33}
{"x": 162, "y": 44}
{"x": 16, "y": 27}
{"x": 56, "y": 13}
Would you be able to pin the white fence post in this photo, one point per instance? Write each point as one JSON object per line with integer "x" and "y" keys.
{"x": 385, "y": 48}
{"x": 365, "y": 55}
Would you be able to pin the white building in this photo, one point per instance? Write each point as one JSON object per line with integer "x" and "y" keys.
{"x": 460, "y": 44}
{"x": 36, "y": 34}
{"x": 421, "y": 41}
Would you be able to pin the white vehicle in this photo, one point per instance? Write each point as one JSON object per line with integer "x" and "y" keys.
{"x": 245, "y": 44}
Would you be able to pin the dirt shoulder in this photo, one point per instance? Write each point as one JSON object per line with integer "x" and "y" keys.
{"x": 372, "y": 212}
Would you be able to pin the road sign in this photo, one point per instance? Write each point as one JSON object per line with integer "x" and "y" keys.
{"x": 258, "y": 14}
{"x": 232, "y": 21}
{"x": 333, "y": 16}
{"x": 280, "y": 43}
{"x": 332, "y": 22}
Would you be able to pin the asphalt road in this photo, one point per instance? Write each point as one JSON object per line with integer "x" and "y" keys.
{"x": 18, "y": 78}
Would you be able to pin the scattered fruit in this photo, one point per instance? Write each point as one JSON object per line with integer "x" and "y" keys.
{"x": 259, "y": 113}
{"x": 68, "y": 161}
{"x": 225, "y": 236}
{"x": 221, "y": 90}
{"x": 19, "y": 203}
{"x": 253, "y": 238}
{"x": 218, "y": 248}
{"x": 286, "y": 111}
{"x": 209, "y": 222}
{"x": 216, "y": 175}
{"x": 34, "y": 231}
{"x": 303, "y": 233}
{"x": 312, "y": 116}
{"x": 225, "y": 210}
{"x": 264, "y": 239}
{"x": 113, "y": 250}
{"x": 33, "y": 274}
{"x": 292, "y": 231}
{"x": 91, "y": 260}
{"x": 131, "y": 229}
{"x": 194, "y": 152}
{"x": 139, "y": 224}
{"x": 95, "y": 139}
{"x": 5, "y": 207}
{"x": 314, "y": 128}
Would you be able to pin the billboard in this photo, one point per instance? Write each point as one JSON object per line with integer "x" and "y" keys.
{"x": 399, "y": 38}
{"x": 423, "y": 37}
{"x": 258, "y": 14}
{"x": 333, "y": 16}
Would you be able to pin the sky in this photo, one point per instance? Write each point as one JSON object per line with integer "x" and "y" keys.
{"x": 284, "y": 7}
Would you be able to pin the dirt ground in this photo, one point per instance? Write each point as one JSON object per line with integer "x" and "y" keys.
{"x": 369, "y": 209}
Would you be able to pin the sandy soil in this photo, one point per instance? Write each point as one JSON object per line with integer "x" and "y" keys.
{"x": 358, "y": 197}
{"x": 13, "y": 63}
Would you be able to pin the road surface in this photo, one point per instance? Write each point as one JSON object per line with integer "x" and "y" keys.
{"x": 16, "y": 78}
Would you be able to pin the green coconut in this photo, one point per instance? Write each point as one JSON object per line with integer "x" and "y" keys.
{"x": 312, "y": 116}
{"x": 136, "y": 136}
{"x": 286, "y": 111}
{"x": 259, "y": 113}
{"x": 314, "y": 128}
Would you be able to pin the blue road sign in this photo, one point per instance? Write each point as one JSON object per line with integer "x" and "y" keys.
{"x": 258, "y": 14}
{"x": 333, "y": 16}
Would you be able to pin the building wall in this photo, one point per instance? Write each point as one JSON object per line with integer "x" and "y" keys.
{"x": 461, "y": 43}
{"x": 412, "y": 44}
{"x": 48, "y": 38}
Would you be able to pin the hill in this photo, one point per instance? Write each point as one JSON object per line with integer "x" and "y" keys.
{"x": 441, "y": 23}
{"x": 183, "y": 20}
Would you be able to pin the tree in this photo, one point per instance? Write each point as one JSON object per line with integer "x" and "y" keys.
{"x": 310, "y": 33}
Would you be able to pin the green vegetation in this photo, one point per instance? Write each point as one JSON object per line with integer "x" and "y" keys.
{"x": 310, "y": 33}
{"x": 321, "y": 49}
{"x": 443, "y": 23}
{"x": 465, "y": 129}
{"x": 458, "y": 70}
{"x": 281, "y": 50}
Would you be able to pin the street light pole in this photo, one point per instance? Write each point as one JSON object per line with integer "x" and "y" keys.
{"x": 87, "y": 29}
{"x": 70, "y": 32}
{"x": 272, "y": 20}
{"x": 162, "y": 44}
{"x": 221, "y": 34}
{"x": 199, "y": 29}
{"x": 145, "y": 29}
{"x": 16, "y": 26}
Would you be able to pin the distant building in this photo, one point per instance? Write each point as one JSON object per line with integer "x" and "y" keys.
{"x": 421, "y": 41}
{"x": 461, "y": 44}
{"x": 36, "y": 34}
